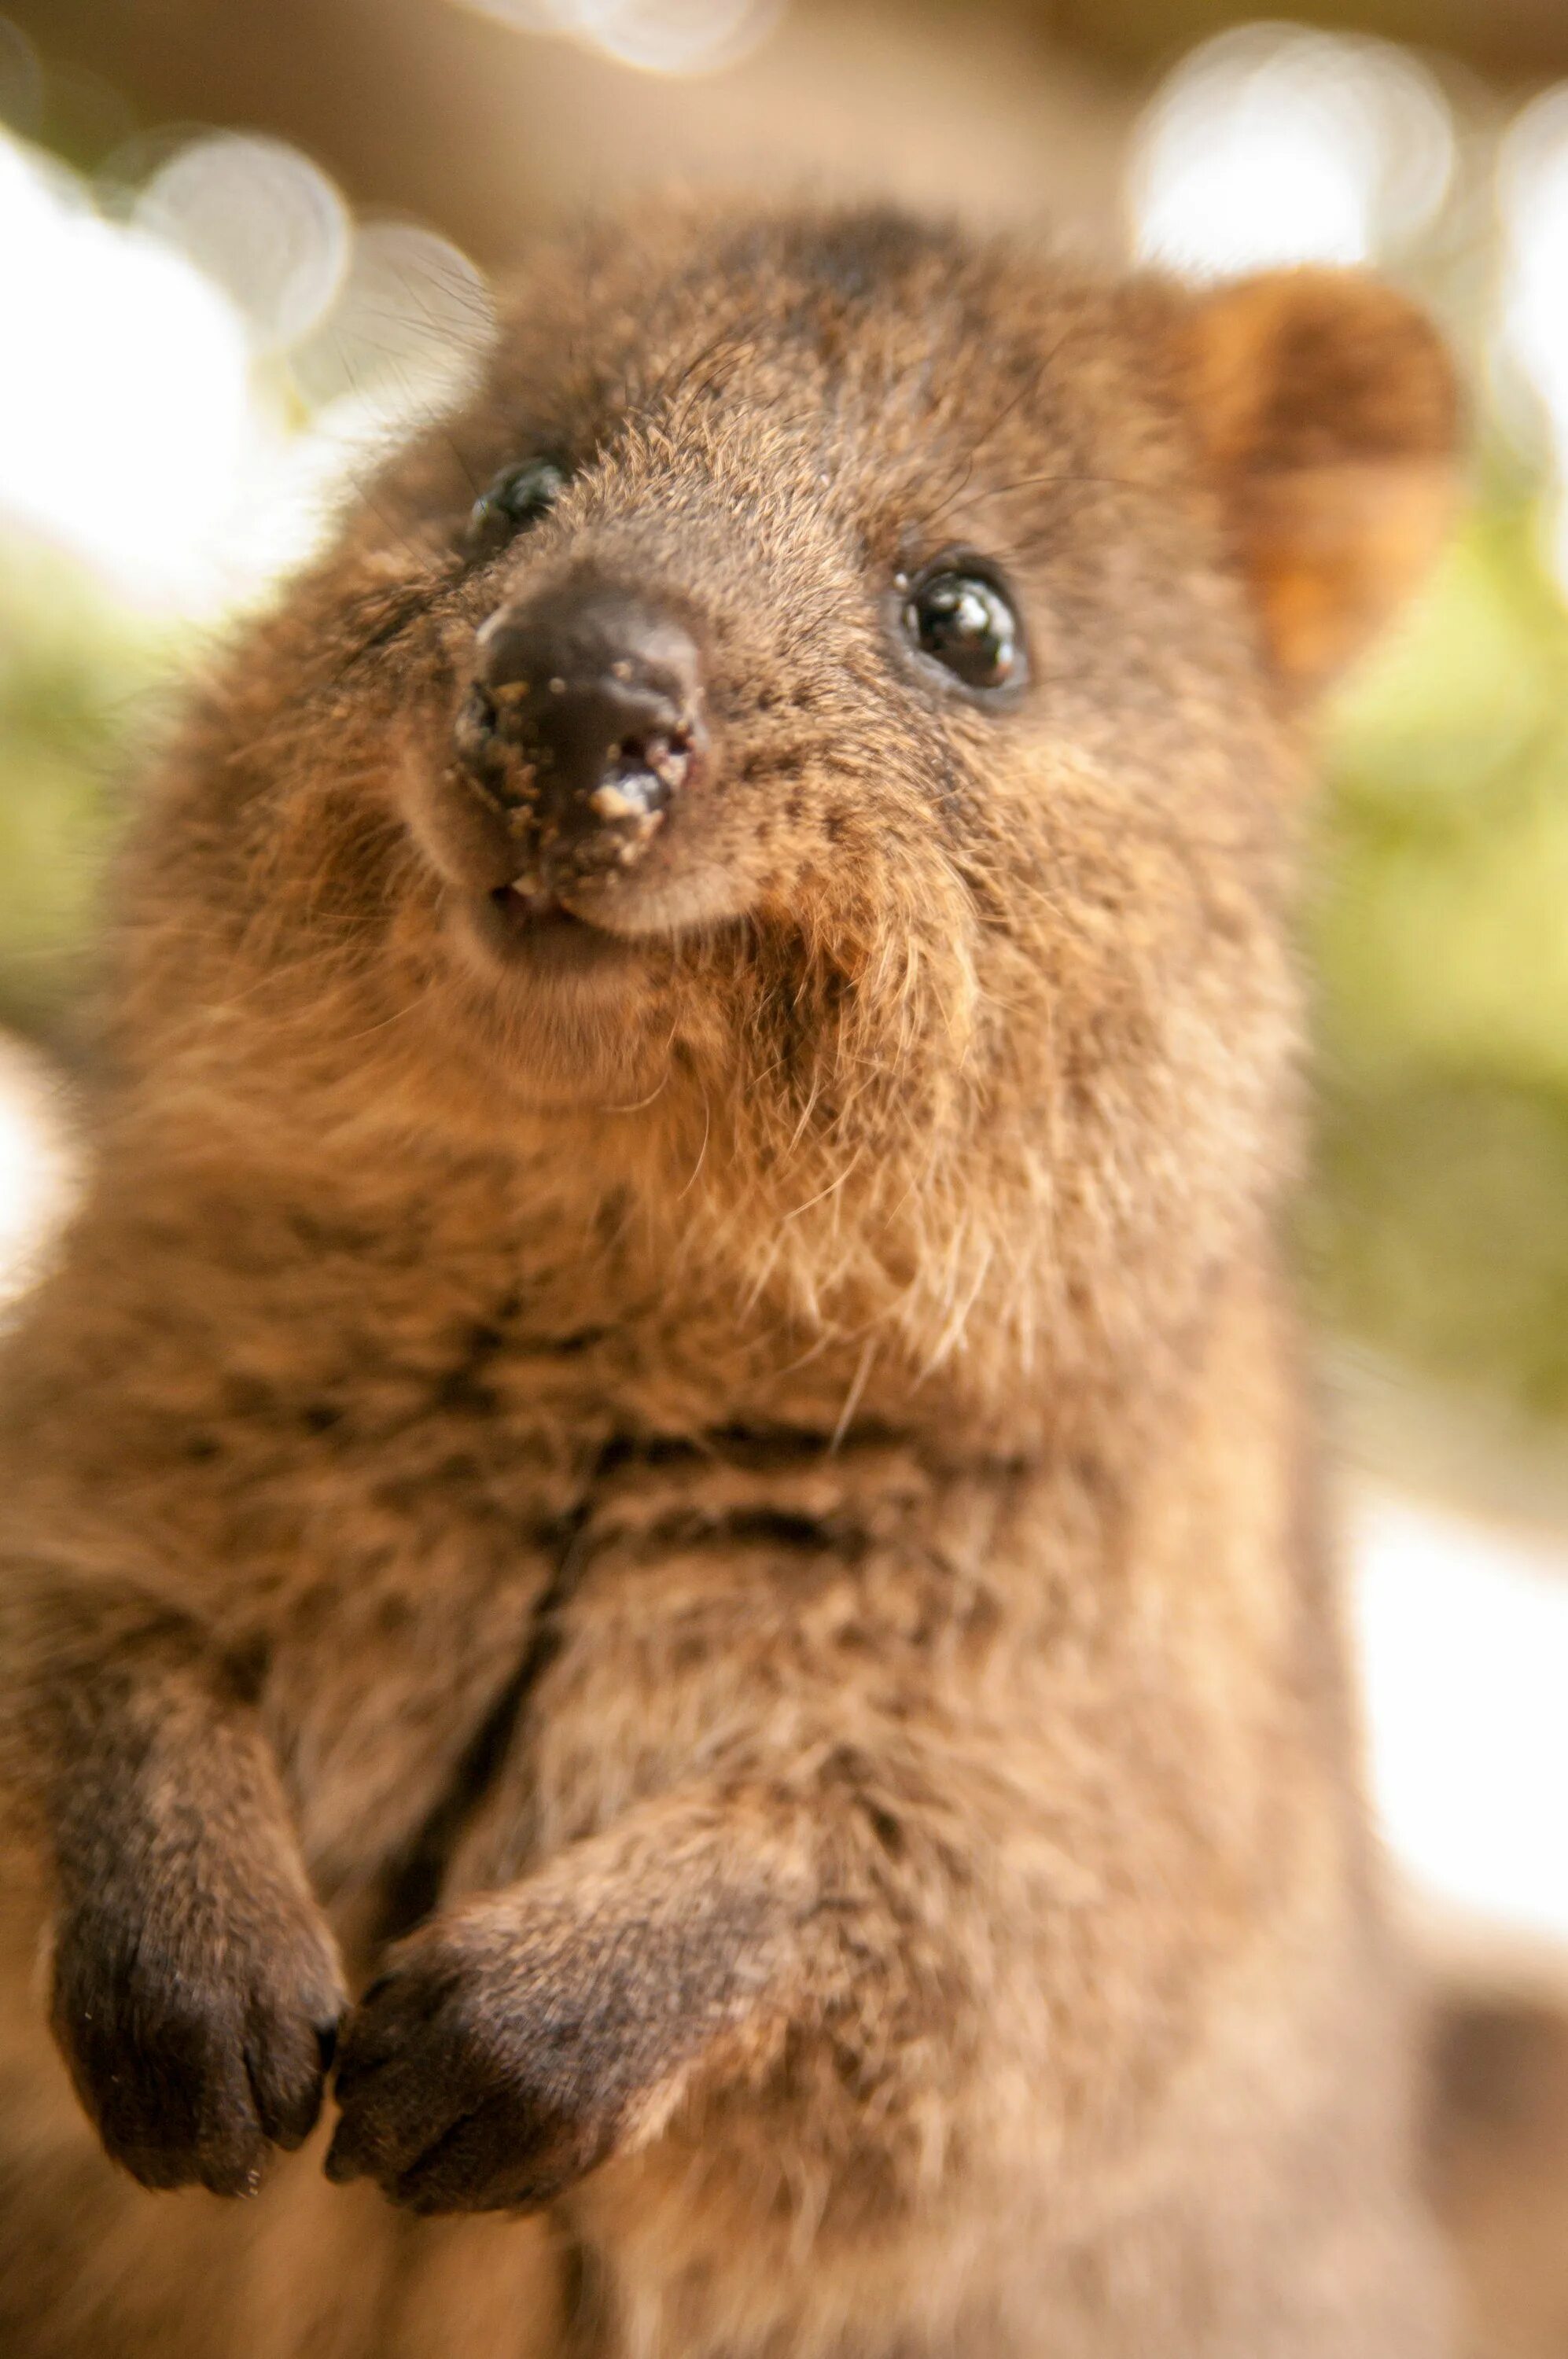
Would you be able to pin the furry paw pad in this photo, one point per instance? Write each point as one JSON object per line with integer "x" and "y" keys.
{"x": 486, "y": 2071}
{"x": 197, "y": 2046}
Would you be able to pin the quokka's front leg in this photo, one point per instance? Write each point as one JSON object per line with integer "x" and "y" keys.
{"x": 695, "y": 1947}
{"x": 523, "y": 2036}
{"x": 196, "y": 1988}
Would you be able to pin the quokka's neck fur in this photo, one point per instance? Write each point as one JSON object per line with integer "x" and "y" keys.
{"x": 698, "y": 1276}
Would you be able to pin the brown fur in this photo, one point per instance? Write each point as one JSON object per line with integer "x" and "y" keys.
{"x": 758, "y": 1493}
{"x": 1499, "y": 2156}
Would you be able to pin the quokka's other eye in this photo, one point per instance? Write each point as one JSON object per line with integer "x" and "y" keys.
{"x": 519, "y": 496}
{"x": 966, "y": 622}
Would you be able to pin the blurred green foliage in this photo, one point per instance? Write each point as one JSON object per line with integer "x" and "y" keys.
{"x": 78, "y": 689}
{"x": 1438, "y": 1229}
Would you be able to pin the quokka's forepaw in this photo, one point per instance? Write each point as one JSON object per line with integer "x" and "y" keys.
{"x": 492, "y": 2065}
{"x": 198, "y": 2045}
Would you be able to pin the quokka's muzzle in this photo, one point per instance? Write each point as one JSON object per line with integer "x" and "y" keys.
{"x": 583, "y": 721}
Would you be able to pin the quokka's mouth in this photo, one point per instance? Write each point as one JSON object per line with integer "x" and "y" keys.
{"x": 526, "y": 909}
{"x": 529, "y": 928}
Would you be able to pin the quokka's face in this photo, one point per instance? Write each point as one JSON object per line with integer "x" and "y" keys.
{"x": 766, "y": 621}
{"x": 832, "y": 669}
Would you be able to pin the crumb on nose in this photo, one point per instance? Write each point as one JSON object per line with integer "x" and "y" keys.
{"x": 613, "y": 802}
{"x": 585, "y": 723}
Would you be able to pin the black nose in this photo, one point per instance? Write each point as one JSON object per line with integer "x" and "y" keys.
{"x": 585, "y": 719}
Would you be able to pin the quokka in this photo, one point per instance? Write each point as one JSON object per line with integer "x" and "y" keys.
{"x": 665, "y": 1482}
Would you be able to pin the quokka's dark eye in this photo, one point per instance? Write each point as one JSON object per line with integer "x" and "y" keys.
{"x": 519, "y": 496}
{"x": 968, "y": 623}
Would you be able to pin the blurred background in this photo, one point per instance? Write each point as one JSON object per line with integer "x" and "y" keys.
{"x": 242, "y": 242}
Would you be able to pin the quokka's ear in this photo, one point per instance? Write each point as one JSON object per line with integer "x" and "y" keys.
{"x": 1331, "y": 415}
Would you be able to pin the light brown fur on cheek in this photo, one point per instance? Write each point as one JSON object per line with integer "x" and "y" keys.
{"x": 726, "y": 1522}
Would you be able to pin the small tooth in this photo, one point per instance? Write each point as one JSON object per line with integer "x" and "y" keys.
{"x": 611, "y": 803}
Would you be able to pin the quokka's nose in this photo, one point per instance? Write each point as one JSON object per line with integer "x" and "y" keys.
{"x": 585, "y": 719}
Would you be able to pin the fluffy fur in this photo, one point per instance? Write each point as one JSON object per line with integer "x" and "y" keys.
{"x": 749, "y": 1496}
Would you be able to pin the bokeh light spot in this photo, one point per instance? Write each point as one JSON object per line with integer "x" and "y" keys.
{"x": 1532, "y": 198}
{"x": 125, "y": 404}
{"x": 263, "y": 222}
{"x": 674, "y": 36}
{"x": 410, "y": 319}
{"x": 1273, "y": 145}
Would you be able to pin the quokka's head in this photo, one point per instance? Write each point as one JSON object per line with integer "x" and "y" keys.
{"x": 828, "y": 696}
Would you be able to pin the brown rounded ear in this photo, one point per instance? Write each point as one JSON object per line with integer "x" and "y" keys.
{"x": 1330, "y": 411}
